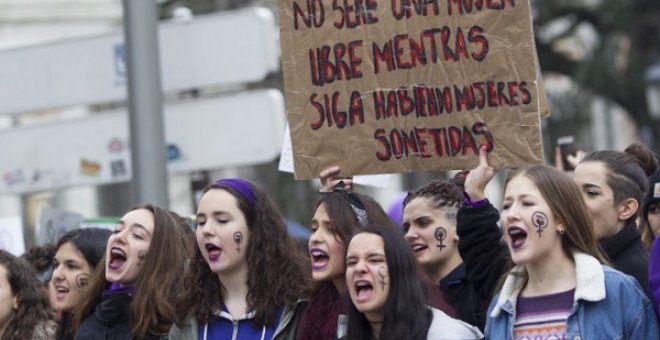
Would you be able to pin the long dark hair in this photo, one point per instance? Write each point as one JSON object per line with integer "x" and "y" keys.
{"x": 32, "y": 304}
{"x": 277, "y": 268}
{"x": 41, "y": 260}
{"x": 405, "y": 313}
{"x": 91, "y": 243}
{"x": 343, "y": 217}
{"x": 159, "y": 282}
{"x": 326, "y": 303}
{"x": 628, "y": 171}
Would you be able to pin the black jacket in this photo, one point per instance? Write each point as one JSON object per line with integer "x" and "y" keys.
{"x": 64, "y": 329}
{"x": 626, "y": 253}
{"x": 109, "y": 321}
{"x": 485, "y": 257}
{"x": 462, "y": 296}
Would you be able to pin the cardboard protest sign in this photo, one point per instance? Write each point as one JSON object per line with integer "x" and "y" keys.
{"x": 286, "y": 165}
{"x": 403, "y": 85}
{"x": 542, "y": 97}
{"x": 544, "y": 108}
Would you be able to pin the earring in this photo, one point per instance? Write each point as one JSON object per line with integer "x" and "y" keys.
{"x": 562, "y": 231}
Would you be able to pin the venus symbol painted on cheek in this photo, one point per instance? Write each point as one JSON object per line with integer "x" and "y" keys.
{"x": 540, "y": 221}
{"x": 382, "y": 272}
{"x": 238, "y": 238}
{"x": 142, "y": 254}
{"x": 82, "y": 280}
{"x": 440, "y": 235}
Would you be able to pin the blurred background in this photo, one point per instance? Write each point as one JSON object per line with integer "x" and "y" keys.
{"x": 64, "y": 148}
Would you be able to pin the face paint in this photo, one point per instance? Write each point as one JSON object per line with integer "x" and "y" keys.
{"x": 238, "y": 238}
{"x": 142, "y": 254}
{"x": 82, "y": 280}
{"x": 440, "y": 234}
{"x": 382, "y": 274}
{"x": 540, "y": 221}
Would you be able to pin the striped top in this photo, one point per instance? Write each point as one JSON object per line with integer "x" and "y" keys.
{"x": 543, "y": 317}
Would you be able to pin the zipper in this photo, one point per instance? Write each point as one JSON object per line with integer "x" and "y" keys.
{"x": 234, "y": 332}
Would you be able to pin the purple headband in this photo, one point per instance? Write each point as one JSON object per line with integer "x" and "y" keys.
{"x": 240, "y": 185}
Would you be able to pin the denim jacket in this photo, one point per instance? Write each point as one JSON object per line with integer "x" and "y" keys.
{"x": 607, "y": 305}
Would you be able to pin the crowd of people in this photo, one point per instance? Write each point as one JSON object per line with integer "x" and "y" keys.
{"x": 564, "y": 257}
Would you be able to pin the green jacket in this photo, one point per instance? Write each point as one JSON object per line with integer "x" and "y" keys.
{"x": 287, "y": 329}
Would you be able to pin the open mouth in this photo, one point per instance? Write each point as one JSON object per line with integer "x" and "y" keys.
{"x": 418, "y": 248}
{"x": 517, "y": 236}
{"x": 213, "y": 251}
{"x": 61, "y": 292}
{"x": 363, "y": 290}
{"x": 117, "y": 258}
{"x": 320, "y": 259}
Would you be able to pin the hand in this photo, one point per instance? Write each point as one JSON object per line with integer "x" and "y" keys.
{"x": 575, "y": 160}
{"x": 477, "y": 179}
{"x": 328, "y": 180}
{"x": 572, "y": 160}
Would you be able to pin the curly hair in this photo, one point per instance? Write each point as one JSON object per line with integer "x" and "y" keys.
{"x": 405, "y": 313}
{"x": 443, "y": 192}
{"x": 159, "y": 283}
{"x": 32, "y": 304}
{"x": 41, "y": 259}
{"x": 277, "y": 274}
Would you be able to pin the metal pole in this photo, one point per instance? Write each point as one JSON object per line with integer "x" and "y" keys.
{"x": 145, "y": 105}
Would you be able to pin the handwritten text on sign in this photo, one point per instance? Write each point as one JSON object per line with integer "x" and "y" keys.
{"x": 402, "y": 85}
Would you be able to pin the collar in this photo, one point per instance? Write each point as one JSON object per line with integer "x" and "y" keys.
{"x": 224, "y": 313}
{"x": 115, "y": 288}
{"x": 590, "y": 283}
{"x": 455, "y": 277}
{"x": 614, "y": 245}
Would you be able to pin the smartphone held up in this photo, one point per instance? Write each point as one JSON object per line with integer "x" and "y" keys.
{"x": 567, "y": 147}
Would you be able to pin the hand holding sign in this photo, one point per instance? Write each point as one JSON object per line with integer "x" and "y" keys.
{"x": 328, "y": 180}
{"x": 397, "y": 86}
{"x": 477, "y": 179}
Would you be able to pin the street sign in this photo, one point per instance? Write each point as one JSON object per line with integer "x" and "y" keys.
{"x": 232, "y": 130}
{"x": 225, "y": 48}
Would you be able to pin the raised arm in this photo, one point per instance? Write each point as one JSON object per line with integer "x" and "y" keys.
{"x": 480, "y": 239}
{"x": 329, "y": 178}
